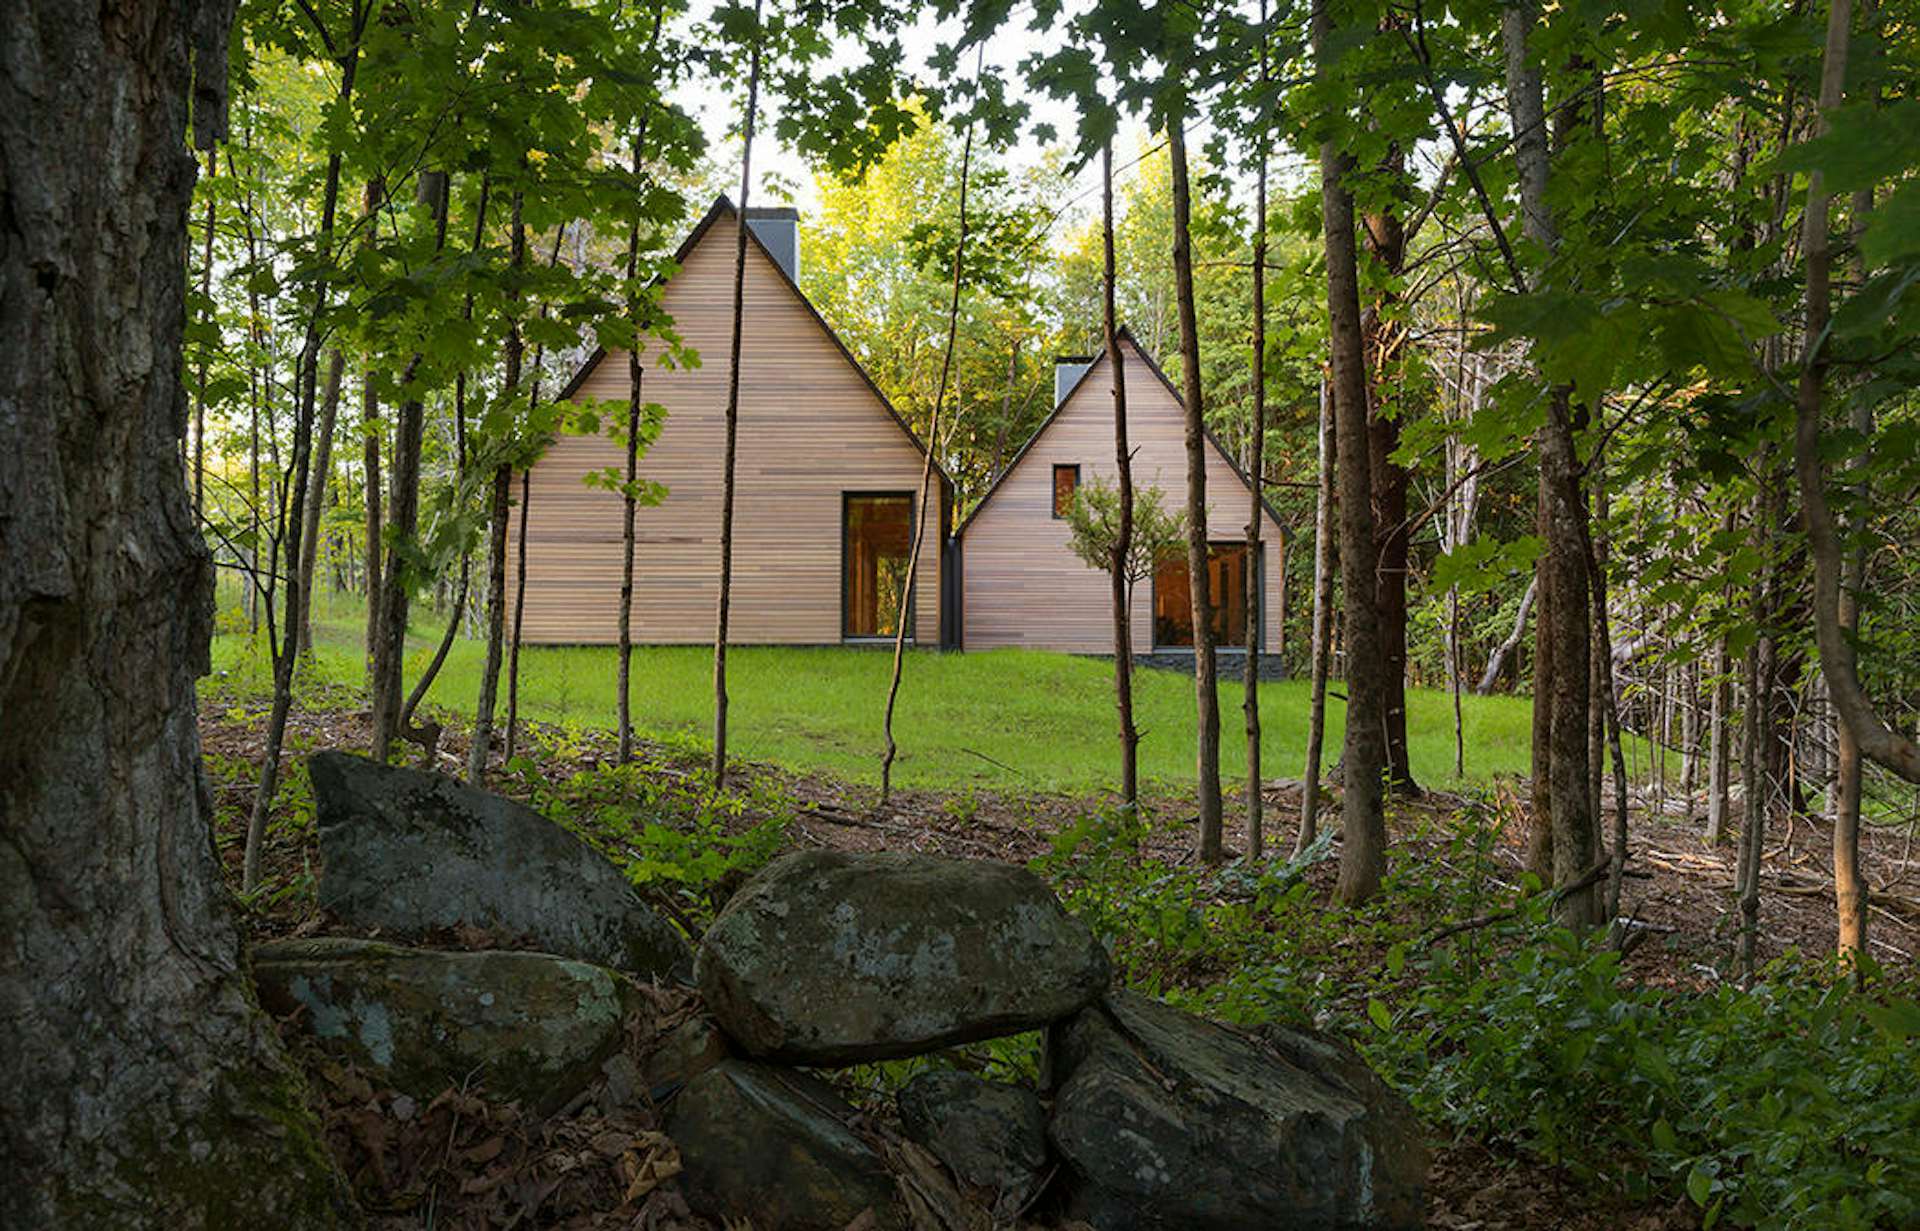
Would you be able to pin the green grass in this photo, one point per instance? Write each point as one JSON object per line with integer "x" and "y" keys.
{"x": 1013, "y": 720}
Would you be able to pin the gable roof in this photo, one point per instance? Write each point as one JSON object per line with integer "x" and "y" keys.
{"x": 723, "y": 207}
{"x": 1126, "y": 338}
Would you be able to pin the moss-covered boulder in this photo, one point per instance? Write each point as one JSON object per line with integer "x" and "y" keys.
{"x": 1169, "y": 1121}
{"x": 528, "y": 1026}
{"x": 413, "y": 853}
{"x": 772, "y": 1146}
{"x": 829, "y": 958}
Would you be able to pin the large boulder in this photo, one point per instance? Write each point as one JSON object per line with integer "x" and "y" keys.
{"x": 830, "y": 958}
{"x": 1169, "y": 1121}
{"x": 772, "y": 1146}
{"x": 990, "y": 1134}
{"x": 528, "y": 1026}
{"x": 412, "y": 853}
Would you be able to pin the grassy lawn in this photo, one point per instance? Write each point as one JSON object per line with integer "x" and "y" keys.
{"x": 1005, "y": 719}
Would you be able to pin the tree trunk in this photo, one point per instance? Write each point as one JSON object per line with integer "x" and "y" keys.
{"x": 403, "y": 499}
{"x": 1256, "y": 471}
{"x": 1836, "y": 608}
{"x": 1719, "y": 746}
{"x": 144, "y": 1086}
{"x": 1757, "y": 777}
{"x": 286, "y": 651}
{"x": 520, "y": 543}
{"x": 1386, "y": 238}
{"x": 1322, "y": 648}
{"x": 200, "y": 377}
{"x": 370, "y": 464}
{"x": 317, "y": 496}
{"x": 730, "y": 455}
{"x": 907, "y": 609}
{"x": 519, "y": 613}
{"x": 1363, "y": 846}
{"x": 1564, "y": 598}
{"x": 1123, "y": 469}
{"x": 1205, "y": 682}
{"x": 1497, "y": 661}
{"x": 499, "y": 511}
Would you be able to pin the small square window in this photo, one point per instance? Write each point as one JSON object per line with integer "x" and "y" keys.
{"x": 1066, "y": 481}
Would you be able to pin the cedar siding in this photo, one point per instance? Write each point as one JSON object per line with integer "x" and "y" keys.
{"x": 812, "y": 430}
{"x": 1024, "y": 587}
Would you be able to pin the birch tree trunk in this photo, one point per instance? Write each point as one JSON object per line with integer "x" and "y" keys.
{"x": 1322, "y": 648}
{"x": 144, "y": 1086}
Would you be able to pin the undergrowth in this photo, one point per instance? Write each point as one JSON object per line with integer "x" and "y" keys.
{"x": 1790, "y": 1104}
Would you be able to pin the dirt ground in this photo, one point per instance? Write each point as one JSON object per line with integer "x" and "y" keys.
{"x": 1679, "y": 891}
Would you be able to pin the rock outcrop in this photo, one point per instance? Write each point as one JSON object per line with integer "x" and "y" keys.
{"x": 413, "y": 853}
{"x": 1168, "y": 1121}
{"x": 990, "y": 1134}
{"x": 530, "y": 1026}
{"x": 829, "y": 958}
{"x": 773, "y": 1146}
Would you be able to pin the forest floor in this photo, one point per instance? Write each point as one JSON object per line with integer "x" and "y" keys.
{"x": 1679, "y": 893}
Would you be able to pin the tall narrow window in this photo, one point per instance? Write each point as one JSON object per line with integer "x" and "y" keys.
{"x": 1228, "y": 576}
{"x": 876, "y": 542}
{"x": 1066, "y": 481}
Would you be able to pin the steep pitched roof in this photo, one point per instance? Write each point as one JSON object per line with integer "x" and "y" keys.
{"x": 723, "y": 207}
{"x": 1126, "y": 338}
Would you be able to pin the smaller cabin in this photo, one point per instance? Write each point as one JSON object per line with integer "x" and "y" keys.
{"x": 1021, "y": 584}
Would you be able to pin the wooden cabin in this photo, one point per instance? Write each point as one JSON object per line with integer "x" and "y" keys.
{"x": 1020, "y": 582}
{"x": 827, "y": 478}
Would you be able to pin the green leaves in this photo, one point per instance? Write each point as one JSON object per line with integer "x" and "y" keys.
{"x": 1485, "y": 563}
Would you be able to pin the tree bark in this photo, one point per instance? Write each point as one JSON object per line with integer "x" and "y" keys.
{"x": 1205, "y": 680}
{"x": 1564, "y": 595}
{"x": 1386, "y": 238}
{"x": 1123, "y": 469}
{"x": 1362, "y": 816}
{"x": 144, "y": 1086}
{"x": 730, "y": 456}
{"x": 1322, "y": 649}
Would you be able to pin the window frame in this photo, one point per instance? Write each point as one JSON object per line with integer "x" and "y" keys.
{"x": 908, "y": 605}
{"x": 1053, "y": 491}
{"x": 1255, "y": 581}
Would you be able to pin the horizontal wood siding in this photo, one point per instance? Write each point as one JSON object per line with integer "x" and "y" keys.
{"x": 1023, "y": 584}
{"x": 810, "y": 430}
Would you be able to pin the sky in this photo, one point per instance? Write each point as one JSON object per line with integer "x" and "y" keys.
{"x": 778, "y": 169}
{"x": 718, "y": 111}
